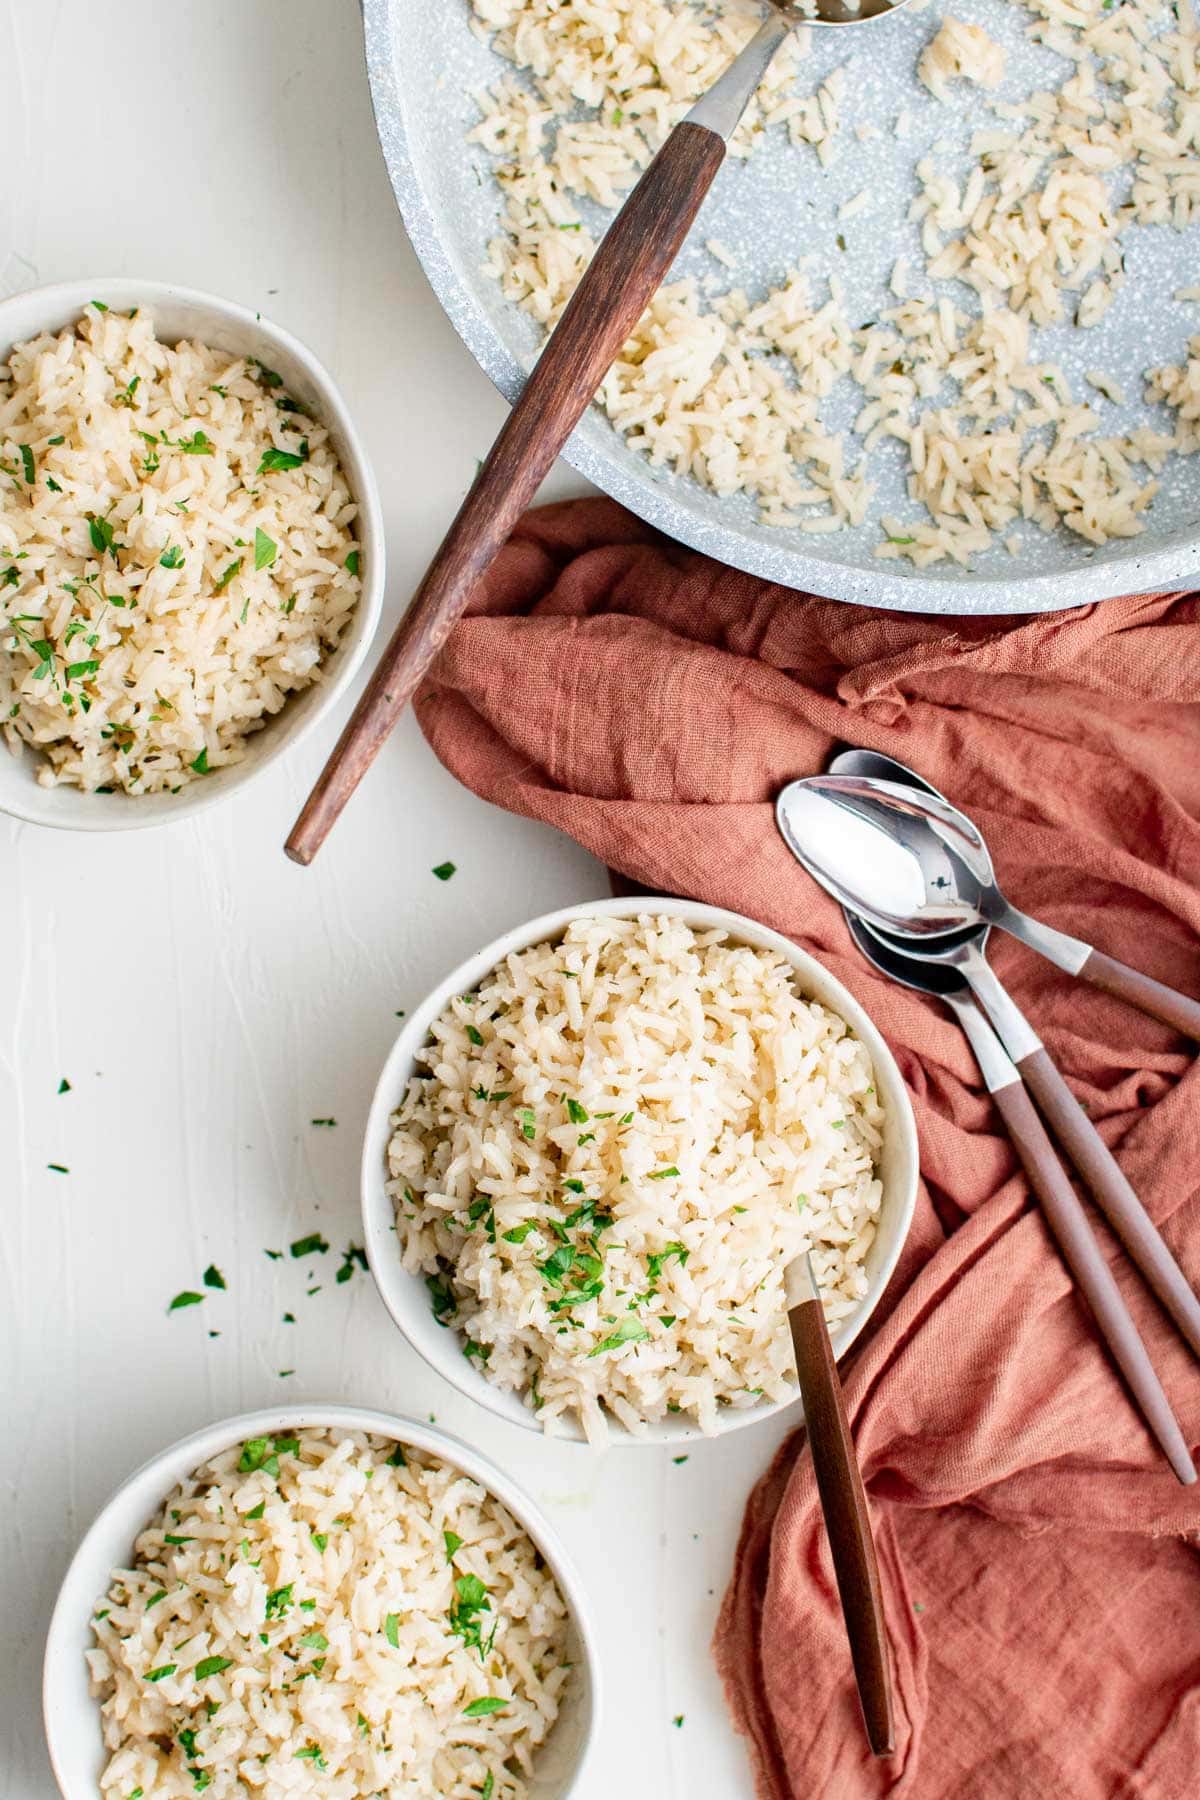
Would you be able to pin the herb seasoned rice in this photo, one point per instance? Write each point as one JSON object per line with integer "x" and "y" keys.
{"x": 177, "y": 554}
{"x": 621, "y": 1142}
{"x": 327, "y": 1614}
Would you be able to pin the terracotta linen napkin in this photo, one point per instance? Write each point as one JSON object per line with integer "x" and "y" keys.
{"x": 1038, "y": 1558}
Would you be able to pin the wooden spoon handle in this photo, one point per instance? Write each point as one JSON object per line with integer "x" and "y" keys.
{"x": 1142, "y": 991}
{"x": 1067, "y": 1220}
{"x": 635, "y": 254}
{"x": 1114, "y": 1196}
{"x": 847, "y": 1521}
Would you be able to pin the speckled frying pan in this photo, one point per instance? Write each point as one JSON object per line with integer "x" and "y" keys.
{"x": 425, "y": 64}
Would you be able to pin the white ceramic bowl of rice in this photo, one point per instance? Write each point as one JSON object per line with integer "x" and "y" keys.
{"x": 350, "y": 1572}
{"x": 245, "y": 552}
{"x": 597, "y": 1145}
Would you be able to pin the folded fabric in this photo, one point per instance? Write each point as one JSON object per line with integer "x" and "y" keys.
{"x": 1038, "y": 1558}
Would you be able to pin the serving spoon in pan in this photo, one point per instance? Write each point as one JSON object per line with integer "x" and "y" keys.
{"x": 629, "y": 265}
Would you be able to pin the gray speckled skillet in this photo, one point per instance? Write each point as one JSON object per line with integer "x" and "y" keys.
{"x": 425, "y": 64}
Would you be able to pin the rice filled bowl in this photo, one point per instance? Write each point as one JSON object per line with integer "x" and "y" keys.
{"x": 261, "y": 651}
{"x": 583, "y": 1218}
{"x": 453, "y": 1625}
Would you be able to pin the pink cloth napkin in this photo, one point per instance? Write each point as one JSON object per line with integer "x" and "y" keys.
{"x": 1038, "y": 1558}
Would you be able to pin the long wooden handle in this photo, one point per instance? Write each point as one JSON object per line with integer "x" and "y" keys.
{"x": 635, "y": 254}
{"x": 1142, "y": 991}
{"x": 1114, "y": 1196}
{"x": 847, "y": 1520}
{"x": 1093, "y": 1277}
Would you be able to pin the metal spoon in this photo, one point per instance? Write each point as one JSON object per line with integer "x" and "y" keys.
{"x": 937, "y": 876}
{"x": 634, "y": 256}
{"x": 857, "y": 858}
{"x": 1060, "y": 1204}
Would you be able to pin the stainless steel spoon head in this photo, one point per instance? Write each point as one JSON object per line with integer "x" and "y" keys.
{"x": 905, "y": 860}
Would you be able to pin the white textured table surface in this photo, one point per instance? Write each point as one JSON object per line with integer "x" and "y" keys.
{"x": 205, "y": 998}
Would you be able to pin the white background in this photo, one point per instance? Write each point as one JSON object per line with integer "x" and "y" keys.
{"x": 204, "y": 997}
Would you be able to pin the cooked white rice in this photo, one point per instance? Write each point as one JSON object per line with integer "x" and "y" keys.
{"x": 623, "y": 1140}
{"x": 733, "y": 389}
{"x": 177, "y": 554}
{"x": 318, "y": 1614}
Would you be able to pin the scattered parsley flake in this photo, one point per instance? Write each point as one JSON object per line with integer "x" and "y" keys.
{"x": 171, "y": 558}
{"x": 27, "y": 463}
{"x": 213, "y": 1277}
{"x": 58, "y": 1168}
{"x": 312, "y": 1245}
{"x": 186, "y": 1298}
{"x": 483, "y": 1709}
{"x": 352, "y": 562}
{"x": 445, "y": 870}
{"x": 327, "y": 1123}
{"x": 200, "y": 766}
{"x": 391, "y": 1630}
{"x": 265, "y": 549}
{"x": 212, "y": 1665}
{"x": 161, "y": 1673}
{"x": 453, "y": 1543}
{"x": 662, "y": 1174}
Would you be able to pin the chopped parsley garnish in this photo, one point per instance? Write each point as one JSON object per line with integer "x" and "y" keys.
{"x": 397, "y": 1459}
{"x": 482, "y": 1709}
{"x": 197, "y": 445}
{"x": 212, "y": 1665}
{"x": 679, "y": 1459}
{"x": 557, "y": 1265}
{"x": 273, "y": 460}
{"x": 453, "y": 1542}
{"x": 489, "y": 1784}
{"x": 228, "y": 576}
{"x": 527, "y": 1123}
{"x": 265, "y": 549}
{"x": 577, "y": 1114}
{"x": 471, "y": 1348}
{"x": 353, "y": 1257}
{"x": 470, "y": 1600}
{"x": 256, "y": 1512}
{"x": 475, "y": 1036}
{"x": 519, "y": 1233}
{"x": 327, "y": 1123}
{"x": 162, "y": 1673}
{"x": 629, "y": 1331}
{"x": 320, "y": 1539}
{"x": 171, "y": 1537}
{"x": 200, "y": 766}
{"x": 658, "y": 1259}
{"x": 275, "y": 1255}
{"x": 677, "y": 1721}
{"x": 391, "y": 1630}
{"x": 662, "y": 1174}
{"x": 352, "y": 562}
{"x": 58, "y": 1168}
{"x": 171, "y": 558}
{"x": 213, "y": 1277}
{"x": 155, "y": 1598}
{"x": 444, "y": 1303}
{"x": 445, "y": 870}
{"x": 279, "y": 1601}
{"x": 27, "y": 463}
{"x": 312, "y": 1245}
{"x": 269, "y": 377}
{"x": 186, "y": 1298}
{"x": 312, "y": 1753}
{"x": 315, "y": 1640}
{"x": 101, "y": 534}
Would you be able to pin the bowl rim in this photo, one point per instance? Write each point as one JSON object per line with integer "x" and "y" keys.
{"x": 117, "y": 290}
{"x": 66, "y": 1629}
{"x": 397, "y": 1286}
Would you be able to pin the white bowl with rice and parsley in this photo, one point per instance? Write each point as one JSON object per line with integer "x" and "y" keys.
{"x": 343, "y": 1601}
{"x": 595, "y": 1148}
{"x": 191, "y": 551}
